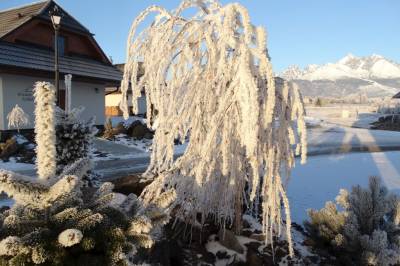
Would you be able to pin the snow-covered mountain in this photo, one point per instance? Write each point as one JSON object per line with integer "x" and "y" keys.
{"x": 373, "y": 75}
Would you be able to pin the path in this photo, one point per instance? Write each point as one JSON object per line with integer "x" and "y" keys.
{"x": 334, "y": 139}
{"x": 114, "y": 148}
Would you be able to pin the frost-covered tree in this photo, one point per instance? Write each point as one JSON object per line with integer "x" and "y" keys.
{"x": 65, "y": 224}
{"x": 45, "y": 105}
{"x": 74, "y": 139}
{"x": 209, "y": 76}
{"x": 17, "y": 118}
{"x": 365, "y": 232}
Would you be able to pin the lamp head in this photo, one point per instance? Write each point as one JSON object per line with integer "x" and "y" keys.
{"x": 55, "y": 16}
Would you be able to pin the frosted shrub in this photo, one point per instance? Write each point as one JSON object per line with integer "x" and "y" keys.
{"x": 209, "y": 76}
{"x": 365, "y": 232}
{"x": 17, "y": 118}
{"x": 65, "y": 224}
{"x": 74, "y": 140}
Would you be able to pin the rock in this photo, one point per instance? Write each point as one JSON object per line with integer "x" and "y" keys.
{"x": 228, "y": 239}
{"x": 253, "y": 245}
{"x": 253, "y": 259}
{"x": 130, "y": 184}
{"x": 9, "y": 149}
{"x": 138, "y": 130}
{"x": 258, "y": 237}
{"x": 119, "y": 129}
{"x": 148, "y": 135}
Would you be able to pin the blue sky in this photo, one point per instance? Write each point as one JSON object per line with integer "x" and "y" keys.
{"x": 300, "y": 32}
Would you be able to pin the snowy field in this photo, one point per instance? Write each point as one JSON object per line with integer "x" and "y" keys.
{"x": 345, "y": 115}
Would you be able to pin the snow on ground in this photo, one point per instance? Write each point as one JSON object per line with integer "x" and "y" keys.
{"x": 214, "y": 247}
{"x": 360, "y": 116}
{"x": 12, "y": 165}
{"x": 143, "y": 145}
{"x": 330, "y": 138}
{"x": 321, "y": 178}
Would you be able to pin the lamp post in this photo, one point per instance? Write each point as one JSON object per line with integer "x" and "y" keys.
{"x": 55, "y": 16}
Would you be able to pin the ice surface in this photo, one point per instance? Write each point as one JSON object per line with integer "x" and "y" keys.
{"x": 320, "y": 180}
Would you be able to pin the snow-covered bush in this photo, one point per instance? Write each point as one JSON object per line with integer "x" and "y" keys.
{"x": 65, "y": 224}
{"x": 364, "y": 231}
{"x": 74, "y": 139}
{"x": 17, "y": 118}
{"x": 209, "y": 76}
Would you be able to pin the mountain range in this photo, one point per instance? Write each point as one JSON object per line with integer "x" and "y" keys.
{"x": 373, "y": 76}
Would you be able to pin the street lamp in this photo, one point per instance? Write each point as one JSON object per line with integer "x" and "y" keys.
{"x": 55, "y": 16}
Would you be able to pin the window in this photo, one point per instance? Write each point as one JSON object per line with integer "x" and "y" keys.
{"x": 61, "y": 45}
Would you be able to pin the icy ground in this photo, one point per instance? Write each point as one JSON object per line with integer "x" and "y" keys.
{"x": 321, "y": 178}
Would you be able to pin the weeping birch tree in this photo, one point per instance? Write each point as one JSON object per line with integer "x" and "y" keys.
{"x": 208, "y": 78}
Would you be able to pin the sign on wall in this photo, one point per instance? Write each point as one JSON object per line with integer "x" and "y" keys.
{"x": 26, "y": 95}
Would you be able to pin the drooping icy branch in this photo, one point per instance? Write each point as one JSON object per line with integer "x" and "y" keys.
{"x": 45, "y": 99}
{"x": 30, "y": 191}
{"x": 209, "y": 77}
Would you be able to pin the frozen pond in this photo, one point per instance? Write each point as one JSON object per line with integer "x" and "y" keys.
{"x": 321, "y": 178}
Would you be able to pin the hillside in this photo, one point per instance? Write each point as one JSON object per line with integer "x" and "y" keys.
{"x": 374, "y": 76}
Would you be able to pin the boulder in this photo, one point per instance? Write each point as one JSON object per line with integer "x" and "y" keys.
{"x": 253, "y": 259}
{"x": 119, "y": 129}
{"x": 138, "y": 130}
{"x": 148, "y": 135}
{"x": 130, "y": 184}
{"x": 228, "y": 239}
{"x": 9, "y": 148}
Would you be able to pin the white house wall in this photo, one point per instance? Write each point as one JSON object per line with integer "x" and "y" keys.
{"x": 85, "y": 94}
{"x": 1, "y": 104}
{"x": 18, "y": 90}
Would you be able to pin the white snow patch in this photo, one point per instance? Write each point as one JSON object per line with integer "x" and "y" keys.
{"x": 12, "y": 165}
{"x": 214, "y": 246}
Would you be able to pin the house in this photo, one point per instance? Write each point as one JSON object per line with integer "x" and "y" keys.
{"x": 113, "y": 97}
{"x": 27, "y": 56}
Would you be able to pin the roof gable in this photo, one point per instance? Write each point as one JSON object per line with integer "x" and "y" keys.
{"x": 67, "y": 20}
{"x": 11, "y": 19}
